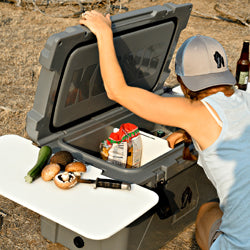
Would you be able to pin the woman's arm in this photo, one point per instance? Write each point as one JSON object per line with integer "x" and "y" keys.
{"x": 141, "y": 102}
{"x": 172, "y": 111}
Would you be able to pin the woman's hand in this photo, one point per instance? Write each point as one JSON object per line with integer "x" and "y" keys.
{"x": 99, "y": 24}
{"x": 176, "y": 138}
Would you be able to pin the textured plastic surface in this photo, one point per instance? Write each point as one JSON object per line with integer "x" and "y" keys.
{"x": 149, "y": 232}
{"x": 94, "y": 213}
{"x": 141, "y": 57}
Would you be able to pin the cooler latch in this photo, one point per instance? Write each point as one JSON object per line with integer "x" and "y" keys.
{"x": 159, "y": 175}
{"x": 166, "y": 206}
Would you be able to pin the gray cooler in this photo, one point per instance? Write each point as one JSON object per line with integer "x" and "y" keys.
{"x": 72, "y": 112}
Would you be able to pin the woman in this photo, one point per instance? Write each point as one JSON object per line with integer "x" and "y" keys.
{"x": 212, "y": 112}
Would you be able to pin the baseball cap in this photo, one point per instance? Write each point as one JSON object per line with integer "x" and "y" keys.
{"x": 201, "y": 62}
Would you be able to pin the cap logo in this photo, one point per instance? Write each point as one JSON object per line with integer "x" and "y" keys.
{"x": 219, "y": 59}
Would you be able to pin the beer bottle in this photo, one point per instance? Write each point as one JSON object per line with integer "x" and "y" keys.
{"x": 242, "y": 70}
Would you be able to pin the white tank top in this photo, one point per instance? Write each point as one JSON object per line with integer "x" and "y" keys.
{"x": 227, "y": 164}
{"x": 219, "y": 122}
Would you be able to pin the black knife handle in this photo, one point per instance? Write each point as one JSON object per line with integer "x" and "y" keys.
{"x": 107, "y": 183}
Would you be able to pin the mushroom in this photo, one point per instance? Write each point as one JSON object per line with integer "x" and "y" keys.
{"x": 65, "y": 180}
{"x": 76, "y": 167}
{"x": 50, "y": 171}
{"x": 62, "y": 158}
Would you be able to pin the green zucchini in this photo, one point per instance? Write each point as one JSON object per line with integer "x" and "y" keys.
{"x": 43, "y": 156}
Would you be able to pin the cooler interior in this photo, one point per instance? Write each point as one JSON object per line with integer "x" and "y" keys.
{"x": 153, "y": 135}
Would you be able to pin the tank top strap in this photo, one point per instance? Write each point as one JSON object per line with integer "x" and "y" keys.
{"x": 219, "y": 122}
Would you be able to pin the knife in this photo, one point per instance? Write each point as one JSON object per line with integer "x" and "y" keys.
{"x": 106, "y": 183}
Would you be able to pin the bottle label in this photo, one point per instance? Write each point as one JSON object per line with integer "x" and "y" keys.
{"x": 243, "y": 77}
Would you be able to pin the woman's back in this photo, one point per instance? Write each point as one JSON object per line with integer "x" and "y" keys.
{"x": 227, "y": 164}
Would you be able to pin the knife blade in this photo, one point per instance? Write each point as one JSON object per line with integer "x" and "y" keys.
{"x": 106, "y": 183}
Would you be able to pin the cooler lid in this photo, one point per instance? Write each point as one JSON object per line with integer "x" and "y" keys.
{"x": 70, "y": 89}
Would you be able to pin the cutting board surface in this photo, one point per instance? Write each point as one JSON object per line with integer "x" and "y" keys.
{"x": 93, "y": 213}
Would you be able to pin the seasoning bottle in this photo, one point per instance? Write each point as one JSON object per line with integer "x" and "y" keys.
{"x": 242, "y": 70}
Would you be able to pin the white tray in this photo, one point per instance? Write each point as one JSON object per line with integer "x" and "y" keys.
{"x": 93, "y": 213}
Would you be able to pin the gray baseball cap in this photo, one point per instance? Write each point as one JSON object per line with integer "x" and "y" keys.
{"x": 201, "y": 62}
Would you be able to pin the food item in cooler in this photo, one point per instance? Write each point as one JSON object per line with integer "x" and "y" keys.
{"x": 123, "y": 147}
{"x": 50, "y": 171}
{"x": 62, "y": 158}
{"x": 43, "y": 156}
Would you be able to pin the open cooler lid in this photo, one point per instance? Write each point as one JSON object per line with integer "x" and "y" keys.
{"x": 70, "y": 88}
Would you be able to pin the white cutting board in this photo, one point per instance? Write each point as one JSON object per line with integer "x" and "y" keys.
{"x": 93, "y": 213}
